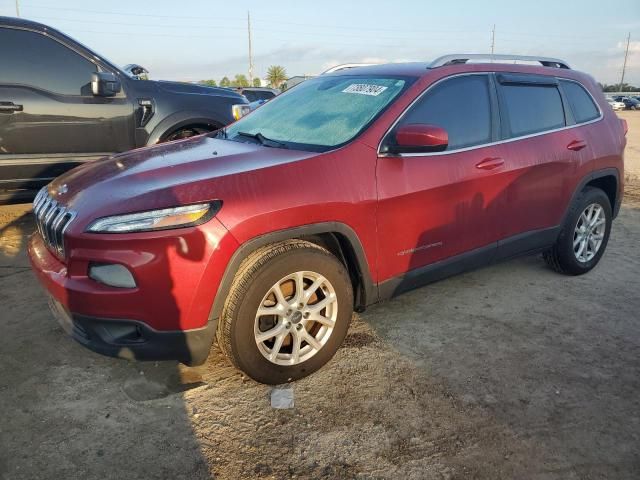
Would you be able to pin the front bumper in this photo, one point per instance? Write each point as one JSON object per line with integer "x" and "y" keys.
{"x": 134, "y": 340}
{"x": 167, "y": 315}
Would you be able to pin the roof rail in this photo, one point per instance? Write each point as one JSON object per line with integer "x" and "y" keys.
{"x": 488, "y": 58}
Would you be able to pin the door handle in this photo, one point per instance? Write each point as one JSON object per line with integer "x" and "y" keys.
{"x": 577, "y": 145}
{"x": 9, "y": 107}
{"x": 490, "y": 163}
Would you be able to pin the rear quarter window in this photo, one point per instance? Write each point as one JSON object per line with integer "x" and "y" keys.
{"x": 582, "y": 105}
{"x": 532, "y": 108}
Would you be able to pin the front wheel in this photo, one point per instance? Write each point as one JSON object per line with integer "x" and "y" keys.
{"x": 584, "y": 235}
{"x": 287, "y": 313}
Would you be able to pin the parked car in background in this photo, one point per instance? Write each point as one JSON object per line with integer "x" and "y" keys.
{"x": 629, "y": 103}
{"x": 615, "y": 104}
{"x": 62, "y": 105}
{"x": 254, "y": 94}
{"x": 346, "y": 190}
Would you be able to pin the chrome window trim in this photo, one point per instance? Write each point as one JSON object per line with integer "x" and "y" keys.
{"x": 482, "y": 145}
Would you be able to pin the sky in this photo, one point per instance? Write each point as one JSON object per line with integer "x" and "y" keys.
{"x": 198, "y": 39}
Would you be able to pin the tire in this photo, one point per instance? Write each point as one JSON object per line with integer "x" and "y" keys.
{"x": 562, "y": 257}
{"x": 255, "y": 285}
{"x": 185, "y": 132}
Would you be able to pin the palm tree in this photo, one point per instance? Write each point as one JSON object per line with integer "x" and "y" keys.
{"x": 276, "y": 75}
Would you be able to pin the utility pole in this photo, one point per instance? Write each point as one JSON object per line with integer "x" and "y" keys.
{"x": 17, "y": 9}
{"x": 493, "y": 38}
{"x": 624, "y": 65}
{"x": 250, "y": 53}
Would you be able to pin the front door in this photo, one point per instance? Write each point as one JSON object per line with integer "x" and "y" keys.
{"x": 49, "y": 119}
{"x": 438, "y": 212}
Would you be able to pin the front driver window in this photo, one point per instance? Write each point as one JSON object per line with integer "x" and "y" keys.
{"x": 43, "y": 63}
{"x": 460, "y": 105}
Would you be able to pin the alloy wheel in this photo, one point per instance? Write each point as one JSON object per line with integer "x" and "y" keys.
{"x": 589, "y": 233}
{"x": 295, "y": 318}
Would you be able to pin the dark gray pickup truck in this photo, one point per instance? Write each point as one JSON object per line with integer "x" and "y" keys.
{"x": 62, "y": 104}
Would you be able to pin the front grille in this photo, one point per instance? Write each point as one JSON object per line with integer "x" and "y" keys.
{"x": 52, "y": 219}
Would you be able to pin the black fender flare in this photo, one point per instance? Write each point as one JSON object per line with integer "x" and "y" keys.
{"x": 605, "y": 172}
{"x": 369, "y": 294}
{"x": 177, "y": 120}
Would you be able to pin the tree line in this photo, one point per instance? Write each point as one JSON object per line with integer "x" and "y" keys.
{"x": 276, "y": 76}
{"x": 625, "y": 87}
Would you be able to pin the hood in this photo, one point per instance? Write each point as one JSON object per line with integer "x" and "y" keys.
{"x": 176, "y": 173}
{"x": 182, "y": 87}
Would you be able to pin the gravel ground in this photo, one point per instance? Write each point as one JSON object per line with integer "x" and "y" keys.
{"x": 508, "y": 372}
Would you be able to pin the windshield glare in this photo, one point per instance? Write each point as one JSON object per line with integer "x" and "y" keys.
{"x": 321, "y": 113}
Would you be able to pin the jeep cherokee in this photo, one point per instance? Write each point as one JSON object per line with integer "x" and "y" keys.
{"x": 347, "y": 190}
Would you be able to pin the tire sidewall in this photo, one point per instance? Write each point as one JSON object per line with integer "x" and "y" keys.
{"x": 589, "y": 196}
{"x": 243, "y": 343}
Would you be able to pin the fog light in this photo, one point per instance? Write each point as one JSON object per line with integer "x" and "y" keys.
{"x": 113, "y": 275}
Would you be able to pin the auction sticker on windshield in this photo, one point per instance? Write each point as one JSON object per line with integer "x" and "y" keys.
{"x": 365, "y": 89}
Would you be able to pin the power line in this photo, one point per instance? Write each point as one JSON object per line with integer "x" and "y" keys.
{"x": 624, "y": 65}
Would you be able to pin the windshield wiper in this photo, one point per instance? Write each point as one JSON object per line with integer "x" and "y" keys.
{"x": 262, "y": 140}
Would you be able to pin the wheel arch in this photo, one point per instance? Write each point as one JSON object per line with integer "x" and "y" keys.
{"x": 175, "y": 122}
{"x": 338, "y": 238}
{"x": 608, "y": 180}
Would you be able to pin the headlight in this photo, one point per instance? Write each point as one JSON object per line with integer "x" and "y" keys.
{"x": 163, "y": 219}
{"x": 240, "y": 110}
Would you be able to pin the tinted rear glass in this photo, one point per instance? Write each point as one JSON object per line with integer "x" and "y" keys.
{"x": 461, "y": 106}
{"x": 29, "y": 58}
{"x": 580, "y": 101}
{"x": 533, "y": 108}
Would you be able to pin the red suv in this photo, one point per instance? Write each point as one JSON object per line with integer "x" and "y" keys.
{"x": 344, "y": 191}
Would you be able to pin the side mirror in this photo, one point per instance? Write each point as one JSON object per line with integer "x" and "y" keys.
{"x": 419, "y": 138}
{"x": 105, "y": 84}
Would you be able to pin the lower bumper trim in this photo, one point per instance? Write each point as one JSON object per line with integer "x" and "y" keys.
{"x": 133, "y": 340}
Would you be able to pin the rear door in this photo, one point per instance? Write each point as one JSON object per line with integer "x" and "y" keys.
{"x": 49, "y": 119}
{"x": 542, "y": 159}
{"x": 435, "y": 207}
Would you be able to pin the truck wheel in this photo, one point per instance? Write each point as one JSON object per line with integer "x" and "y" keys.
{"x": 185, "y": 132}
{"x": 287, "y": 313}
{"x": 584, "y": 235}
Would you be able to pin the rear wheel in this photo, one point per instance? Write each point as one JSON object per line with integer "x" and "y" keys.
{"x": 287, "y": 313}
{"x": 584, "y": 236}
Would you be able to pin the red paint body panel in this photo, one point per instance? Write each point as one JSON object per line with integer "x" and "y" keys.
{"x": 444, "y": 203}
{"x": 174, "y": 272}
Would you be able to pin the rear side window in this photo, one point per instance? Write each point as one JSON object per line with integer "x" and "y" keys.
{"x": 461, "y": 106}
{"x": 580, "y": 101}
{"x": 532, "y": 108}
{"x": 29, "y": 58}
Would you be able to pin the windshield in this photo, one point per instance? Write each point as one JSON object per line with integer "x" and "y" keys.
{"x": 321, "y": 113}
